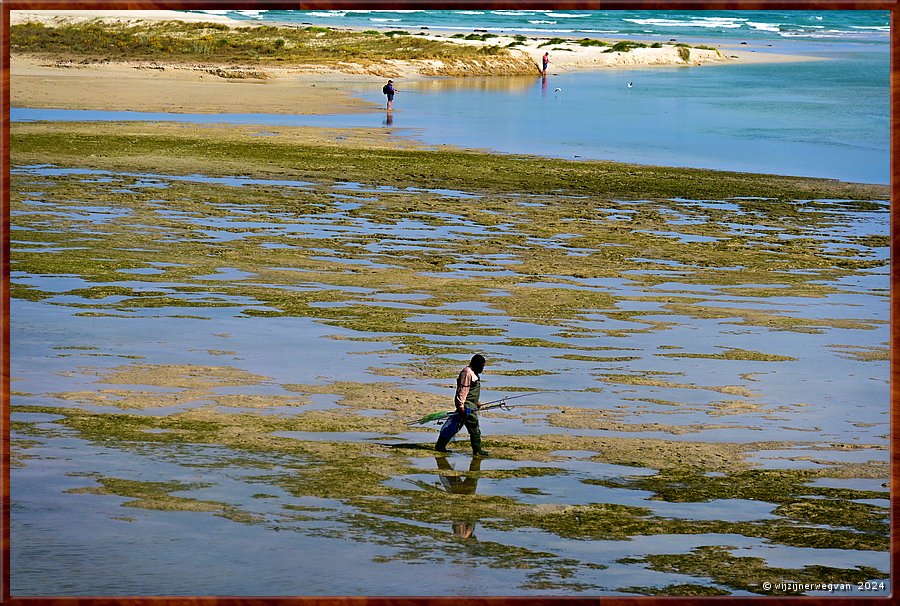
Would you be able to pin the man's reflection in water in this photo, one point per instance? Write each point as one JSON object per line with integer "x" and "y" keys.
{"x": 455, "y": 484}
{"x": 544, "y": 86}
{"x": 388, "y": 118}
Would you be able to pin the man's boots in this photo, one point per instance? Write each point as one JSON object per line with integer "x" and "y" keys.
{"x": 476, "y": 447}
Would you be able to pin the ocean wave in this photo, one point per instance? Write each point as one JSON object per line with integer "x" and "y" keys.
{"x": 327, "y": 14}
{"x": 826, "y": 33}
{"x": 765, "y": 27}
{"x": 514, "y": 13}
{"x": 536, "y": 30}
{"x": 539, "y": 22}
{"x": 470, "y": 12}
{"x": 565, "y": 16}
{"x": 873, "y": 28}
{"x": 701, "y": 22}
{"x": 508, "y": 30}
{"x": 384, "y": 20}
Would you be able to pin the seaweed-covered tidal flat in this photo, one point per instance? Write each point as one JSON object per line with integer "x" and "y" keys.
{"x": 218, "y": 340}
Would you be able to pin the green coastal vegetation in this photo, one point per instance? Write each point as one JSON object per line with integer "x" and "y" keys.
{"x": 181, "y": 42}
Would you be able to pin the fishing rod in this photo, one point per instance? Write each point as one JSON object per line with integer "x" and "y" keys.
{"x": 502, "y": 400}
{"x": 500, "y": 403}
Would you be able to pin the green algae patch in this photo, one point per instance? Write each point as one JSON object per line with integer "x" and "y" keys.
{"x": 717, "y": 408}
{"x": 376, "y": 396}
{"x": 583, "y": 358}
{"x": 187, "y": 376}
{"x": 681, "y": 589}
{"x": 732, "y": 353}
{"x": 18, "y": 450}
{"x": 813, "y": 507}
{"x": 863, "y": 353}
{"x": 177, "y": 386}
{"x": 773, "y": 486}
{"x": 574, "y": 418}
{"x": 612, "y": 522}
{"x": 637, "y": 452}
{"x": 753, "y": 574}
{"x": 756, "y": 317}
{"x": 158, "y": 496}
{"x": 622, "y": 379}
{"x": 531, "y": 490}
{"x": 839, "y": 512}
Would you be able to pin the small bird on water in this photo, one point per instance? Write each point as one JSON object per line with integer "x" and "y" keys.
{"x": 557, "y": 90}
{"x": 630, "y": 84}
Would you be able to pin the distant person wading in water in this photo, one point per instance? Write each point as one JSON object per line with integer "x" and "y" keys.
{"x": 389, "y": 90}
{"x": 468, "y": 391}
{"x": 545, "y": 61}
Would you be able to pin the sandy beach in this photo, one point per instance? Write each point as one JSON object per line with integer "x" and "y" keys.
{"x": 292, "y": 89}
{"x": 177, "y": 89}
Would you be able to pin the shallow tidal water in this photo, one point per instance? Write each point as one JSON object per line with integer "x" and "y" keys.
{"x": 215, "y": 375}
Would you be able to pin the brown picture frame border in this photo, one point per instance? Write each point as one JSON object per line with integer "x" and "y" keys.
{"x": 5, "y": 544}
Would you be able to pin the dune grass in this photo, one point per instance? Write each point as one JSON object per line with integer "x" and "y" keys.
{"x": 177, "y": 41}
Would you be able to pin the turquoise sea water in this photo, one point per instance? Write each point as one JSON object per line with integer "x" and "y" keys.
{"x": 750, "y": 25}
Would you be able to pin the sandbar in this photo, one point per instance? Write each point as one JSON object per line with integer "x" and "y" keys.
{"x": 156, "y": 86}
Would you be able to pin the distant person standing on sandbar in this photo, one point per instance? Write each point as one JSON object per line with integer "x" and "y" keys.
{"x": 389, "y": 90}
{"x": 545, "y": 61}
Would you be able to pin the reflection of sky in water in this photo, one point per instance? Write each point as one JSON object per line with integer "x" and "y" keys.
{"x": 773, "y": 458}
{"x": 851, "y": 483}
{"x": 176, "y": 548}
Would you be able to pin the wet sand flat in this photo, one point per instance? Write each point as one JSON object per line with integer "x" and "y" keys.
{"x": 124, "y": 87}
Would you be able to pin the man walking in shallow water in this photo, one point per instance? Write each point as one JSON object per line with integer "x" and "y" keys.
{"x": 468, "y": 392}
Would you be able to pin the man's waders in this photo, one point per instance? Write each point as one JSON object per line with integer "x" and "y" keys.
{"x": 453, "y": 423}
